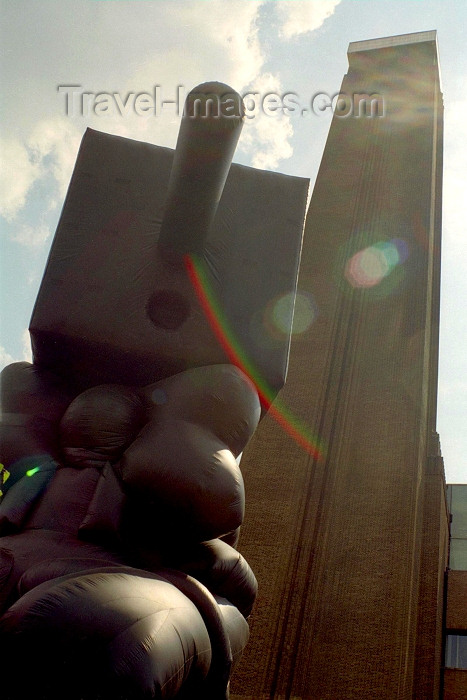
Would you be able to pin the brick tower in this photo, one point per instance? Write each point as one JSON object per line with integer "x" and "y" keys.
{"x": 346, "y": 525}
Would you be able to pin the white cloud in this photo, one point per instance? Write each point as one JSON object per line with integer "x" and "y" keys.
{"x": 268, "y": 139}
{"x": 49, "y": 149}
{"x": 17, "y": 176}
{"x": 215, "y": 47}
{"x": 222, "y": 37}
{"x": 267, "y": 136}
{"x": 210, "y": 45}
{"x": 195, "y": 42}
{"x": 57, "y": 140}
{"x": 241, "y": 38}
{"x": 32, "y": 236}
{"x": 5, "y": 358}
{"x": 301, "y": 17}
{"x": 26, "y": 343}
{"x": 218, "y": 40}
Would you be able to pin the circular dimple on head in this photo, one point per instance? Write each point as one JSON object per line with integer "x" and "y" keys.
{"x": 167, "y": 309}
{"x": 159, "y": 397}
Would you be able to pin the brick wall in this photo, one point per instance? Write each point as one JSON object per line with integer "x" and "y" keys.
{"x": 455, "y": 684}
{"x": 345, "y": 539}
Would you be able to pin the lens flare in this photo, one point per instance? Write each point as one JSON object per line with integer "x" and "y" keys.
{"x": 298, "y": 430}
{"x": 303, "y": 308}
{"x": 368, "y": 267}
{"x": 282, "y": 312}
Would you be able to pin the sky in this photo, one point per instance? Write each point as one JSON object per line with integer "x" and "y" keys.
{"x": 163, "y": 48}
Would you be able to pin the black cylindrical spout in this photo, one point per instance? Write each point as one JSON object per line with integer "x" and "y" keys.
{"x": 209, "y": 132}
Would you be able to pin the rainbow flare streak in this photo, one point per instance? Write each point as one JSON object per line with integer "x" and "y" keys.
{"x": 234, "y": 351}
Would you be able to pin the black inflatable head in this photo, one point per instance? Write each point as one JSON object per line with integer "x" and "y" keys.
{"x": 122, "y": 301}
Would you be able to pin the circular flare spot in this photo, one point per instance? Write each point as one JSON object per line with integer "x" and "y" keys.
{"x": 304, "y": 312}
{"x": 368, "y": 267}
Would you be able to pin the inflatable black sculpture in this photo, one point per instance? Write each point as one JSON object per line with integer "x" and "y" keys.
{"x": 122, "y": 494}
